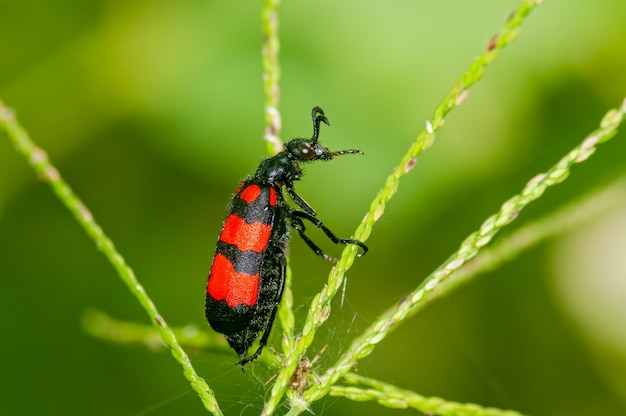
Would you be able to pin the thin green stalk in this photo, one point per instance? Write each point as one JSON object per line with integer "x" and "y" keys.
{"x": 102, "y": 326}
{"x": 38, "y": 159}
{"x": 286, "y": 316}
{"x": 363, "y": 345}
{"x": 320, "y": 306}
{"x": 367, "y": 389}
{"x": 271, "y": 76}
{"x": 584, "y": 209}
{"x": 271, "y": 88}
{"x": 453, "y": 99}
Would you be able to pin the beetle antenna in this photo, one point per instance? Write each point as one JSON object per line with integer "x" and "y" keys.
{"x": 347, "y": 152}
{"x": 318, "y": 116}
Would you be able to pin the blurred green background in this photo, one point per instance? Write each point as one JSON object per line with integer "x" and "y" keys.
{"x": 153, "y": 111}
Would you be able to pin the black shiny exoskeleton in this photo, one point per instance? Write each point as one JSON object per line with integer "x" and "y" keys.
{"x": 247, "y": 276}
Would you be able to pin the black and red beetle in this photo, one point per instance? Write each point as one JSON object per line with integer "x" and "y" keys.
{"x": 247, "y": 276}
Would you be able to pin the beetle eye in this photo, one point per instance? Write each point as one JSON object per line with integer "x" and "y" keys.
{"x": 306, "y": 151}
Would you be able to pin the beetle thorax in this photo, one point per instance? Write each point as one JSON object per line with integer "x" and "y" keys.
{"x": 279, "y": 169}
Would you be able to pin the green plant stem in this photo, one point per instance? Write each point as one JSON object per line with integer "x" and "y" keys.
{"x": 38, "y": 159}
{"x": 271, "y": 75}
{"x": 363, "y": 345}
{"x": 367, "y": 389}
{"x": 102, "y": 326}
{"x": 590, "y": 206}
{"x": 286, "y": 316}
{"x": 453, "y": 99}
{"x": 320, "y": 306}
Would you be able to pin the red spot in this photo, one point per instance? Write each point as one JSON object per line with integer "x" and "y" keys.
{"x": 251, "y": 193}
{"x": 226, "y": 284}
{"x": 272, "y": 197}
{"x": 245, "y": 236}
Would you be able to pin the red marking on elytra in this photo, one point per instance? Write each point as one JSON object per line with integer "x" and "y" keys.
{"x": 251, "y": 193}
{"x": 227, "y": 284}
{"x": 272, "y": 197}
{"x": 245, "y": 236}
